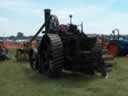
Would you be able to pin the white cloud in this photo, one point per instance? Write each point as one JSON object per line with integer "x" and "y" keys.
{"x": 4, "y": 19}
{"x": 97, "y": 18}
{"x": 106, "y": 24}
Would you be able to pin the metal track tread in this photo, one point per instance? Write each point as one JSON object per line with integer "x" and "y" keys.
{"x": 56, "y": 60}
{"x": 105, "y": 61}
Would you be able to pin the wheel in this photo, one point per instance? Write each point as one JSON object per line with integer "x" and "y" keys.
{"x": 100, "y": 66}
{"x": 33, "y": 58}
{"x": 51, "y": 55}
{"x": 113, "y": 50}
{"x": 103, "y": 62}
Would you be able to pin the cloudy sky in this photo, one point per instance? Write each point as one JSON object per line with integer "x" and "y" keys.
{"x": 99, "y": 16}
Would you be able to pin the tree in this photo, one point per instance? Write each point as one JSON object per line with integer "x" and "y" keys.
{"x": 20, "y": 35}
{"x": 12, "y": 37}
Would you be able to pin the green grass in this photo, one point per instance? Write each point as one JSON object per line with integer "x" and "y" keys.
{"x": 17, "y": 79}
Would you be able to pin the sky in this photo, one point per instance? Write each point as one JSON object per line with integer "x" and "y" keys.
{"x": 98, "y": 16}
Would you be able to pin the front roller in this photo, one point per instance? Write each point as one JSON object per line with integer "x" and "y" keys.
{"x": 51, "y": 55}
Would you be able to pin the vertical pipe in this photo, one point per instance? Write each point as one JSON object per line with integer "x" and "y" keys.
{"x": 47, "y": 14}
{"x": 81, "y": 27}
{"x": 70, "y": 18}
{"x": 114, "y": 37}
{"x": 118, "y": 34}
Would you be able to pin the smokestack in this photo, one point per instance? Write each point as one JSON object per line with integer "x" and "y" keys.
{"x": 47, "y": 14}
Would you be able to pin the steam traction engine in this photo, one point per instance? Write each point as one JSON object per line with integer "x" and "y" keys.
{"x": 65, "y": 47}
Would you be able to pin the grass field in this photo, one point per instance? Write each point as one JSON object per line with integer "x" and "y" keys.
{"x": 17, "y": 79}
